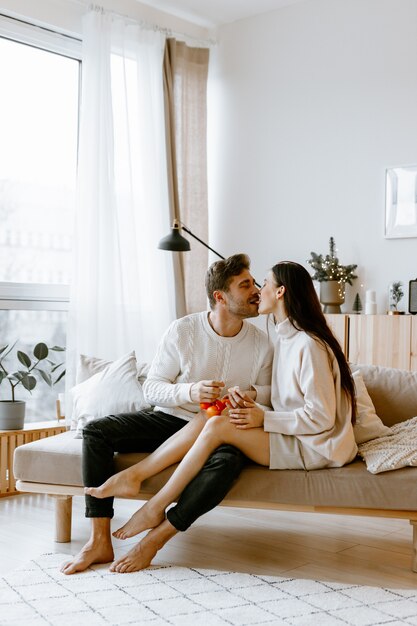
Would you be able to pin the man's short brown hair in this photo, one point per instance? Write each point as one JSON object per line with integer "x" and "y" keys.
{"x": 220, "y": 274}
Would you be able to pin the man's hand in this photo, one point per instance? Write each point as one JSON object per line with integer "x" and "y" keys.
{"x": 252, "y": 416}
{"x": 206, "y": 390}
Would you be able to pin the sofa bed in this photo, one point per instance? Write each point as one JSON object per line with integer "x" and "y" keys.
{"x": 381, "y": 482}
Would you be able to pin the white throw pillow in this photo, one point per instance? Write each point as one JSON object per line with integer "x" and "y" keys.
{"x": 114, "y": 389}
{"x": 90, "y": 365}
{"x": 393, "y": 452}
{"x": 368, "y": 425}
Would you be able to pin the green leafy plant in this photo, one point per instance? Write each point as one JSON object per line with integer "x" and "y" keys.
{"x": 27, "y": 377}
{"x": 329, "y": 268}
{"x": 396, "y": 293}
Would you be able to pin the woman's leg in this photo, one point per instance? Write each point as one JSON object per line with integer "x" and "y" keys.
{"x": 127, "y": 482}
{"x": 253, "y": 442}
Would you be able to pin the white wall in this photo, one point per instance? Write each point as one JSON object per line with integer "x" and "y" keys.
{"x": 307, "y": 107}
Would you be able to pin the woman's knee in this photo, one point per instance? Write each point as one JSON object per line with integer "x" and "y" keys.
{"x": 215, "y": 429}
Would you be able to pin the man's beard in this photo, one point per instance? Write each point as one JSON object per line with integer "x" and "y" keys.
{"x": 243, "y": 309}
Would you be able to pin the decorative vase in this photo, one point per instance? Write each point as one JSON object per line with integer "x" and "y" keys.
{"x": 393, "y": 299}
{"x": 332, "y": 295}
{"x": 12, "y": 414}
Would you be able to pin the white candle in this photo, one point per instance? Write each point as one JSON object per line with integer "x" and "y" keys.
{"x": 370, "y": 295}
{"x": 370, "y": 308}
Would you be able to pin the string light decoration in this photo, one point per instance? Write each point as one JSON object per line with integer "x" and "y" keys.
{"x": 328, "y": 268}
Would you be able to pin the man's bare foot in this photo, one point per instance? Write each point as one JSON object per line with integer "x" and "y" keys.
{"x": 146, "y": 517}
{"x": 142, "y": 554}
{"x": 92, "y": 552}
{"x": 124, "y": 484}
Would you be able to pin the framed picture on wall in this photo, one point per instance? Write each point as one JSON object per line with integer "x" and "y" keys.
{"x": 401, "y": 202}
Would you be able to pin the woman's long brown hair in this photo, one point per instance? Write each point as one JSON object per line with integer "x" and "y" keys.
{"x": 305, "y": 313}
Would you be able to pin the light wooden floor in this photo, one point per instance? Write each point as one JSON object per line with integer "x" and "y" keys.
{"x": 367, "y": 551}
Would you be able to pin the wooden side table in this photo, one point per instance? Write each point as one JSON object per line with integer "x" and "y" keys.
{"x": 11, "y": 439}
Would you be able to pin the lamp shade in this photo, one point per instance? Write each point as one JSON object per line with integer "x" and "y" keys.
{"x": 175, "y": 242}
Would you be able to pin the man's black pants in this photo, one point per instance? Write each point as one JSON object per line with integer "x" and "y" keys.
{"x": 144, "y": 432}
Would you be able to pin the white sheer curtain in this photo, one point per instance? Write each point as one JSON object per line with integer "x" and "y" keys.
{"x": 122, "y": 293}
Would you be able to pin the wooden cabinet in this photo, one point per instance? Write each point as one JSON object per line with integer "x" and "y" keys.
{"x": 339, "y": 326}
{"x": 386, "y": 340}
{"x": 380, "y": 340}
{"x": 413, "y": 351}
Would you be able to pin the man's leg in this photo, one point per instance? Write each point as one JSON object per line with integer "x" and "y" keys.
{"x": 128, "y": 432}
{"x": 133, "y": 432}
{"x": 208, "y": 488}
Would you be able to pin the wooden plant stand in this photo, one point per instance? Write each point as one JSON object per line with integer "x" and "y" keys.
{"x": 11, "y": 439}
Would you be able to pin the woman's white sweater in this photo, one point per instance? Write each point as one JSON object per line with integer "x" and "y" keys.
{"x": 307, "y": 397}
{"x": 191, "y": 351}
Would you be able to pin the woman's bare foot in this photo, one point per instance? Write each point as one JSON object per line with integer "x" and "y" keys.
{"x": 139, "y": 557}
{"x": 92, "y": 552}
{"x": 146, "y": 517}
{"x": 125, "y": 484}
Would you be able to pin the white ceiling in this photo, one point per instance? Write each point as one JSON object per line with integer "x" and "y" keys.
{"x": 212, "y": 13}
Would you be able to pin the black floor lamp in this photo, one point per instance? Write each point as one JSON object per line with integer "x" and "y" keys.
{"x": 177, "y": 243}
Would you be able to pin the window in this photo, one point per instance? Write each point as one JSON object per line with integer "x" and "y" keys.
{"x": 40, "y": 77}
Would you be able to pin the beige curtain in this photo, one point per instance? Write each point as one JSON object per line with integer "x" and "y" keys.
{"x": 185, "y": 87}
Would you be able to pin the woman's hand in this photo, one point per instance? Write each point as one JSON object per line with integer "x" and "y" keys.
{"x": 237, "y": 397}
{"x": 252, "y": 416}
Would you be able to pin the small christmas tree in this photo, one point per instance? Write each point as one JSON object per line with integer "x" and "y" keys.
{"x": 357, "y": 305}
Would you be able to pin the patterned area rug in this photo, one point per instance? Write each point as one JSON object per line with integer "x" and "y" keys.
{"x": 180, "y": 596}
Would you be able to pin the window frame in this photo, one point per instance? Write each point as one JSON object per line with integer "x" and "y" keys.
{"x": 40, "y": 37}
{"x": 39, "y": 296}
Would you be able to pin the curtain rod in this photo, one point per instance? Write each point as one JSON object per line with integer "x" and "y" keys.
{"x": 147, "y": 25}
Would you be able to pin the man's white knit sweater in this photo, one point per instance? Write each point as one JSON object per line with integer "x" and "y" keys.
{"x": 191, "y": 351}
{"x": 308, "y": 400}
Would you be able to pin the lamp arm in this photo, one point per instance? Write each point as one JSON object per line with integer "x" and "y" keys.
{"x": 187, "y": 230}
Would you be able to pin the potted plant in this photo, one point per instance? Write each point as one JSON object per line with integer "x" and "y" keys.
{"x": 332, "y": 276}
{"x": 12, "y": 412}
{"x": 395, "y": 294}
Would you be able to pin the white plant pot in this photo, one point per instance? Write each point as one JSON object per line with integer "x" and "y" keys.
{"x": 12, "y": 414}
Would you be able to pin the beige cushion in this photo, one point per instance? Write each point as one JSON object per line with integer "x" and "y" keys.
{"x": 54, "y": 459}
{"x": 368, "y": 425}
{"x": 393, "y": 392}
{"x": 397, "y": 450}
{"x": 57, "y": 460}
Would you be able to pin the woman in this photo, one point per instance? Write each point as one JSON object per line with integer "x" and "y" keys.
{"x": 312, "y": 395}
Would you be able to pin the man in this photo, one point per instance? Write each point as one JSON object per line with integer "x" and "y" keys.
{"x": 196, "y": 352}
